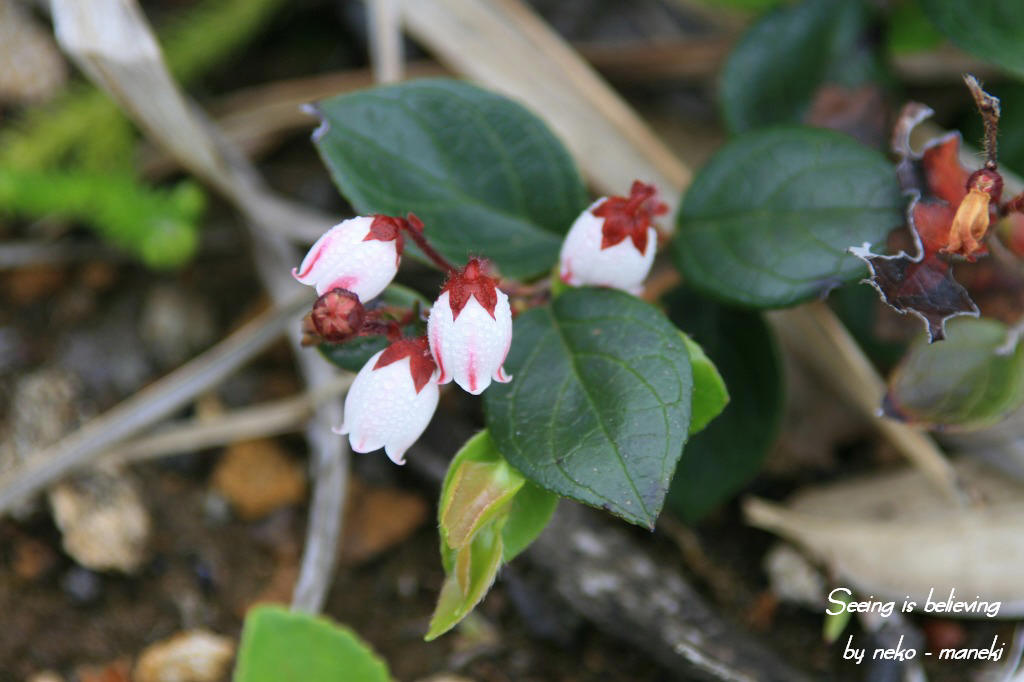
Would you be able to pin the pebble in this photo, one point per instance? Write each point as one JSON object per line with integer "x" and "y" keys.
{"x": 257, "y": 477}
{"x": 191, "y": 656}
{"x": 103, "y": 522}
{"x": 82, "y": 585}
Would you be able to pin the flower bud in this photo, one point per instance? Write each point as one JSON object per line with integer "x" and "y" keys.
{"x": 337, "y": 316}
{"x": 470, "y": 329}
{"x": 392, "y": 399}
{"x": 612, "y": 242}
{"x": 360, "y": 255}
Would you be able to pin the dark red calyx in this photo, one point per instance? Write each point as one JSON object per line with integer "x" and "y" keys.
{"x": 988, "y": 181}
{"x": 472, "y": 280}
{"x": 421, "y": 363}
{"x": 386, "y": 228}
{"x": 337, "y": 315}
{"x": 629, "y": 216}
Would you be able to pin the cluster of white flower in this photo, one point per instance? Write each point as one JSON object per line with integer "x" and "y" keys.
{"x": 469, "y": 330}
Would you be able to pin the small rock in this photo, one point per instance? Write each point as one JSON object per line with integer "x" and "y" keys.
{"x": 192, "y": 656}
{"x": 105, "y": 526}
{"x": 82, "y": 585}
{"x": 377, "y": 519}
{"x": 116, "y": 671}
{"x": 33, "y": 283}
{"x": 32, "y": 558}
{"x": 256, "y": 477}
{"x": 44, "y": 676}
{"x": 175, "y": 325}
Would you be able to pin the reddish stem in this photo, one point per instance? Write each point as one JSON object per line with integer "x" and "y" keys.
{"x": 389, "y": 329}
{"x": 414, "y": 228}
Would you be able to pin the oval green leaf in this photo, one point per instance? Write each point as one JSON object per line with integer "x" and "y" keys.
{"x": 990, "y": 29}
{"x": 767, "y": 222}
{"x": 483, "y": 173}
{"x": 278, "y": 644}
{"x": 964, "y": 381}
{"x": 774, "y": 72}
{"x": 709, "y": 393}
{"x": 599, "y": 407}
{"x": 721, "y": 459}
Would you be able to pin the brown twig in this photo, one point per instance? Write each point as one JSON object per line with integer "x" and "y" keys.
{"x": 988, "y": 107}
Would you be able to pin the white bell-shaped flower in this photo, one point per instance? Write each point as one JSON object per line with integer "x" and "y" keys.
{"x": 392, "y": 399}
{"x": 470, "y": 330}
{"x": 612, "y": 243}
{"x": 360, "y": 255}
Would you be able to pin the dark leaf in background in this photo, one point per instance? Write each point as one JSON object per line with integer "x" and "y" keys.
{"x": 721, "y": 459}
{"x": 909, "y": 29}
{"x": 599, "y": 408}
{"x": 767, "y": 222}
{"x": 485, "y": 175}
{"x": 968, "y": 381}
{"x": 990, "y": 29}
{"x": 773, "y": 74}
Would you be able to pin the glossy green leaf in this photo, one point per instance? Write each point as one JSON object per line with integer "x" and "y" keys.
{"x": 964, "y": 381}
{"x": 767, "y": 222}
{"x": 990, "y": 29}
{"x": 774, "y": 72}
{"x": 278, "y": 644}
{"x": 721, "y": 459}
{"x": 352, "y": 355}
{"x": 599, "y": 408}
{"x": 484, "y": 174}
{"x": 710, "y": 395}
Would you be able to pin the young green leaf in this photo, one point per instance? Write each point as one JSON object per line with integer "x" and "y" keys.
{"x": 965, "y": 381}
{"x": 767, "y": 222}
{"x": 600, "y": 406}
{"x": 722, "y": 458}
{"x": 472, "y": 572}
{"x": 488, "y": 513}
{"x": 990, "y": 29}
{"x": 774, "y": 72}
{"x": 483, "y": 173}
{"x": 278, "y": 644}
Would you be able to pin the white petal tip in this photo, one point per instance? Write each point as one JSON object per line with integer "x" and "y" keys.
{"x": 397, "y": 458}
{"x": 501, "y": 377}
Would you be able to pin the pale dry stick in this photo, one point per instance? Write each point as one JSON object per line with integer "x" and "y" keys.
{"x": 257, "y": 421}
{"x": 385, "y": 40}
{"x": 505, "y": 46}
{"x": 113, "y": 43}
{"x": 147, "y": 407}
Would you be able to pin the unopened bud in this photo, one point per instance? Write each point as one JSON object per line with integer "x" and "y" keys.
{"x": 337, "y": 315}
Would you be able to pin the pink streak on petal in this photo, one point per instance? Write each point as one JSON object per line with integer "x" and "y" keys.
{"x": 471, "y": 369}
{"x": 346, "y": 282}
{"x": 501, "y": 377}
{"x": 316, "y": 257}
{"x": 435, "y": 343}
